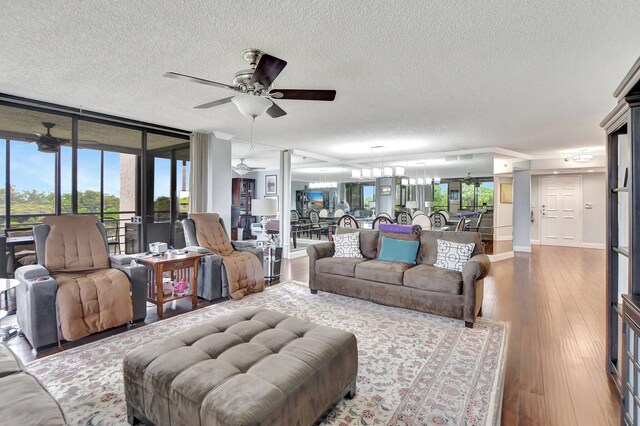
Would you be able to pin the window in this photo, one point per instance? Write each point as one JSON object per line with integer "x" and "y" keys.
{"x": 477, "y": 196}
{"x": 441, "y": 196}
{"x": 368, "y": 195}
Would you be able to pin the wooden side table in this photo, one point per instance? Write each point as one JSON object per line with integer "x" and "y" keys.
{"x": 177, "y": 267}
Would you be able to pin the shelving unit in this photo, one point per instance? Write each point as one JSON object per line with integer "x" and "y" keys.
{"x": 622, "y": 126}
{"x": 242, "y": 192}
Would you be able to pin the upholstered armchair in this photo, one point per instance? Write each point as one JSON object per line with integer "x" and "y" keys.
{"x": 212, "y": 278}
{"x": 38, "y": 305}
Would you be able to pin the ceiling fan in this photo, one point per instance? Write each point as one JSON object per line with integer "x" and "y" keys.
{"x": 47, "y": 142}
{"x": 243, "y": 168}
{"x": 258, "y": 81}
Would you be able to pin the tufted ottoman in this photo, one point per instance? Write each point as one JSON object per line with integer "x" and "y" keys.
{"x": 251, "y": 367}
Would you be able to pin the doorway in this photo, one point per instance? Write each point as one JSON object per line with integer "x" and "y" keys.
{"x": 560, "y": 212}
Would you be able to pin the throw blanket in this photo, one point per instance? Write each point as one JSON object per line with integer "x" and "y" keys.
{"x": 400, "y": 229}
{"x": 244, "y": 270}
{"x": 90, "y": 297}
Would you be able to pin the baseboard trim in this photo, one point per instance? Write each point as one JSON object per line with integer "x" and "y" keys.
{"x": 594, "y": 246}
{"x": 500, "y": 256}
{"x": 523, "y": 249}
{"x": 535, "y": 242}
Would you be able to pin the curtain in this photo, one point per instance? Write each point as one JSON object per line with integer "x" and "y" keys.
{"x": 198, "y": 180}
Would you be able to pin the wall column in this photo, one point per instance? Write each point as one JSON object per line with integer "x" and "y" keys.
{"x": 219, "y": 179}
{"x": 284, "y": 183}
{"x": 522, "y": 210}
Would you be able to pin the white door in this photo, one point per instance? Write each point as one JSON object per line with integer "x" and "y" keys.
{"x": 560, "y": 212}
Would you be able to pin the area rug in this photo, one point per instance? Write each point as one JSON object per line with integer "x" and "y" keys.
{"x": 414, "y": 368}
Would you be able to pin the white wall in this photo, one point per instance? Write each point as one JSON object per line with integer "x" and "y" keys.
{"x": 593, "y": 220}
{"x": 594, "y": 191}
{"x": 502, "y": 212}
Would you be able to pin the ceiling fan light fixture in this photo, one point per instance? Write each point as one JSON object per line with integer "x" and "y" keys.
{"x": 251, "y": 105}
{"x": 582, "y": 157}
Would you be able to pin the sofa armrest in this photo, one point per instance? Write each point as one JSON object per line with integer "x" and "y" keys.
{"x": 36, "y": 305}
{"x": 477, "y": 267}
{"x": 31, "y": 272}
{"x": 316, "y": 252}
{"x": 138, "y": 277}
{"x": 473, "y": 273}
{"x": 255, "y": 250}
{"x": 197, "y": 249}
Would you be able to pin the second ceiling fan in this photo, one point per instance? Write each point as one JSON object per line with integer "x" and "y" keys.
{"x": 257, "y": 81}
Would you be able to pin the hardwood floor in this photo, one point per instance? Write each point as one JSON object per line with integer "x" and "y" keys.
{"x": 554, "y": 301}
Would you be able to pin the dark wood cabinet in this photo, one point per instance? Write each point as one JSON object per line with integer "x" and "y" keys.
{"x": 242, "y": 192}
{"x": 622, "y": 126}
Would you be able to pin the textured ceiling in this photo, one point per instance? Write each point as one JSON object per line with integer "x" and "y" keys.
{"x": 414, "y": 76}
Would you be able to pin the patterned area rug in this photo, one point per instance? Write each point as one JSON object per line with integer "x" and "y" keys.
{"x": 414, "y": 368}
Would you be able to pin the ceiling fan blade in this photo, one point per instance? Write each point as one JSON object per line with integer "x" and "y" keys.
{"x": 269, "y": 67}
{"x": 275, "y": 111}
{"x": 304, "y": 94}
{"x": 215, "y": 103}
{"x": 178, "y": 76}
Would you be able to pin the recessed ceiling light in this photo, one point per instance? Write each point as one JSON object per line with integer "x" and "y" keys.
{"x": 556, "y": 172}
{"x": 591, "y": 171}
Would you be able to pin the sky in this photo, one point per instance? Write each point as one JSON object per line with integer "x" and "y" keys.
{"x": 32, "y": 169}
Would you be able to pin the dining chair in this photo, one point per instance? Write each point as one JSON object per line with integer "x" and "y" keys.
{"x": 461, "y": 224}
{"x": 422, "y": 220}
{"x": 418, "y": 212}
{"x": 446, "y": 215}
{"x": 317, "y": 227}
{"x": 324, "y": 213}
{"x": 381, "y": 218}
{"x": 338, "y": 213}
{"x": 112, "y": 227}
{"x": 476, "y": 228}
{"x": 387, "y": 215}
{"x": 403, "y": 218}
{"x": 348, "y": 221}
{"x": 438, "y": 220}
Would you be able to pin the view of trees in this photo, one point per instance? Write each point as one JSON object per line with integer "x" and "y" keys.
{"x": 440, "y": 196}
{"x": 485, "y": 195}
{"x": 33, "y": 202}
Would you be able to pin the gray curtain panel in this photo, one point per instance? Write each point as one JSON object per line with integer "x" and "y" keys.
{"x": 198, "y": 178}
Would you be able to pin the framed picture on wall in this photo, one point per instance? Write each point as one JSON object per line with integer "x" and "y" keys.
{"x": 271, "y": 184}
{"x": 506, "y": 193}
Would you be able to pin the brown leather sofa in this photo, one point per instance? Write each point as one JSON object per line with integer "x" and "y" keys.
{"x": 421, "y": 287}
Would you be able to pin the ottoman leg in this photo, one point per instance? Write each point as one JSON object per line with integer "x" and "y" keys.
{"x": 352, "y": 390}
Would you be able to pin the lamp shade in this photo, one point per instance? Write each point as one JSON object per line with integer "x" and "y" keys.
{"x": 412, "y": 204}
{"x": 251, "y": 106}
{"x": 429, "y": 204}
{"x": 266, "y": 207}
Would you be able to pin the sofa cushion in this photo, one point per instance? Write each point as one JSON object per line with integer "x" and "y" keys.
{"x": 9, "y": 363}
{"x": 428, "y": 253}
{"x": 347, "y": 245}
{"x": 428, "y": 277}
{"x": 382, "y": 271}
{"x": 397, "y": 236}
{"x": 344, "y": 266}
{"x": 26, "y": 402}
{"x": 399, "y": 250}
{"x": 452, "y": 255}
{"x": 368, "y": 240}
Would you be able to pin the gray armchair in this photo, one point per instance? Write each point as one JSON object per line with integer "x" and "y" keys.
{"x": 212, "y": 277}
{"x": 36, "y": 296}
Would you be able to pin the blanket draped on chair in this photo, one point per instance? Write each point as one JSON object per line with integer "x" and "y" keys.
{"x": 91, "y": 297}
{"x": 244, "y": 270}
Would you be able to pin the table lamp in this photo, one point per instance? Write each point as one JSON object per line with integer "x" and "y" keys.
{"x": 264, "y": 208}
{"x": 411, "y": 205}
{"x": 429, "y": 205}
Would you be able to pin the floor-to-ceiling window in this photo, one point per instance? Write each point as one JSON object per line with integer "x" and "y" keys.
{"x": 56, "y": 160}
{"x": 441, "y": 196}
